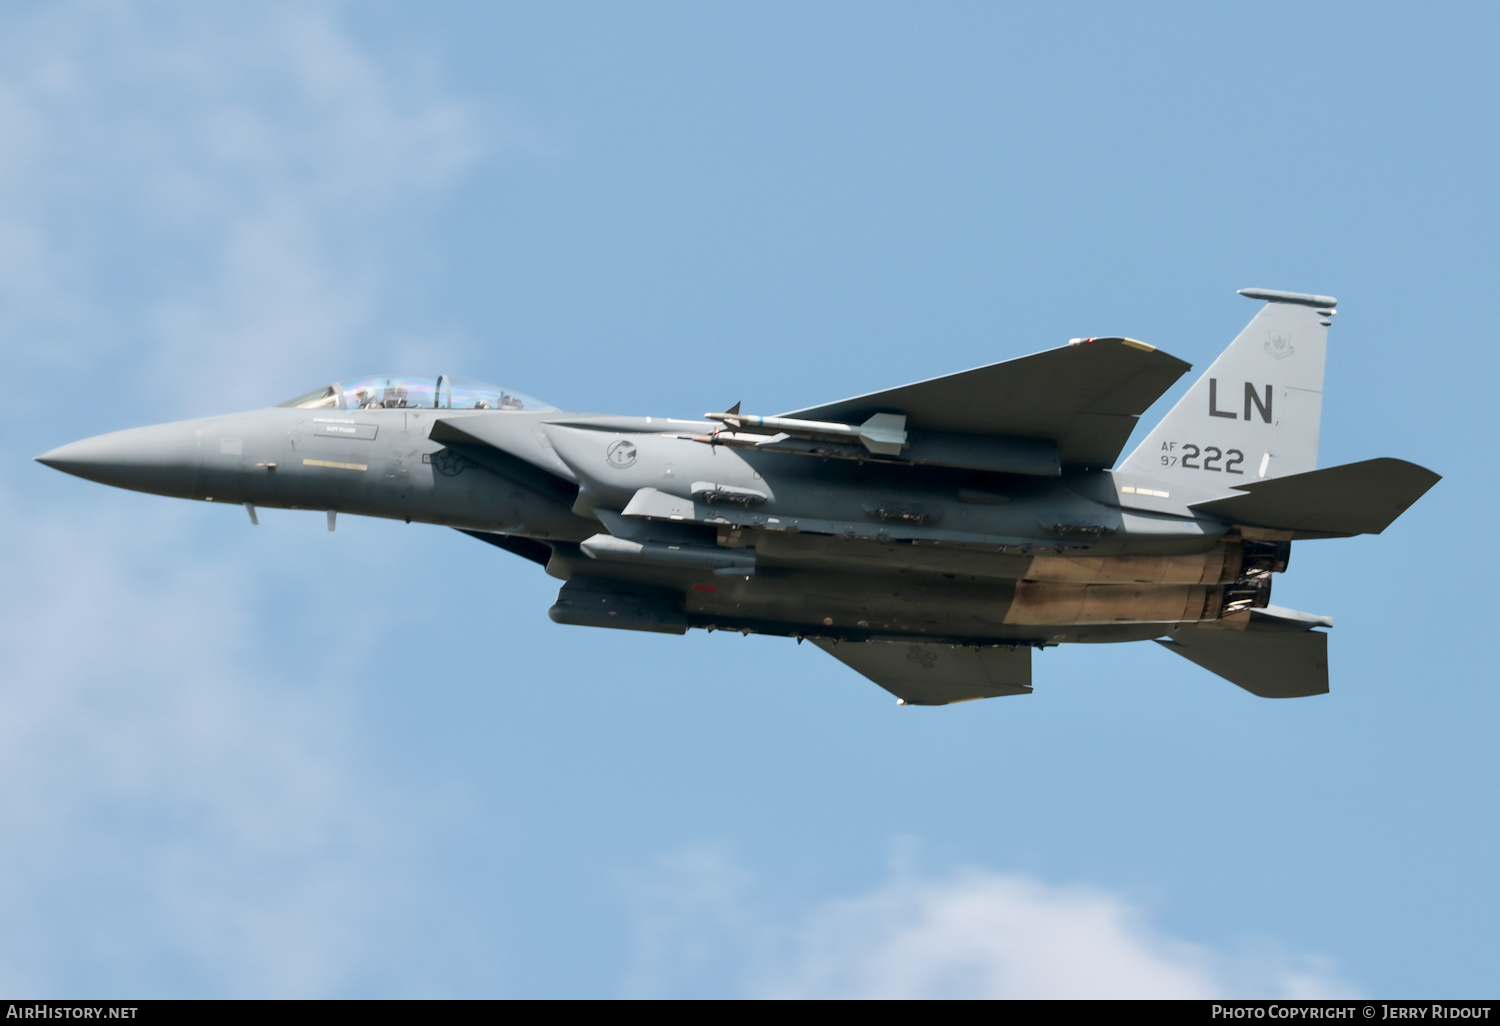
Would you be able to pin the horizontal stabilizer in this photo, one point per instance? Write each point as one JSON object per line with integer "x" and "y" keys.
{"x": 1086, "y": 397}
{"x": 1280, "y": 618}
{"x": 1356, "y": 498}
{"x": 1270, "y": 663}
{"x": 922, "y": 673}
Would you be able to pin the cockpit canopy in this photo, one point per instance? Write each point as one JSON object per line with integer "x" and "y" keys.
{"x": 395, "y": 392}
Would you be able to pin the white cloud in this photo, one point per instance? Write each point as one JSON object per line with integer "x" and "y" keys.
{"x": 693, "y": 923}
{"x": 195, "y": 202}
{"x": 215, "y": 193}
{"x": 179, "y": 820}
{"x": 985, "y": 934}
{"x": 973, "y": 933}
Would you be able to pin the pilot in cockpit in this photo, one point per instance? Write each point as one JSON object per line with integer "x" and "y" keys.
{"x": 396, "y": 393}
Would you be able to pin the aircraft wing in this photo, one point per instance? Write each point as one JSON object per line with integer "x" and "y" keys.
{"x": 921, "y": 673}
{"x": 1085, "y": 396}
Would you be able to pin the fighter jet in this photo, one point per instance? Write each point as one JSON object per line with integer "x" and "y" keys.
{"x": 930, "y": 536}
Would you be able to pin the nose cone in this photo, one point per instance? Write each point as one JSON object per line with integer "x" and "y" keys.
{"x": 164, "y": 459}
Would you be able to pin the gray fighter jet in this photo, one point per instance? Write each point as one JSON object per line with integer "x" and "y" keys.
{"x": 929, "y": 536}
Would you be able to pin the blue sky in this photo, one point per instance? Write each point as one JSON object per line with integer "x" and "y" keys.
{"x": 279, "y": 762}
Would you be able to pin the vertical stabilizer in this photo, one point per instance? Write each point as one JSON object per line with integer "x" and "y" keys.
{"x": 1255, "y": 413}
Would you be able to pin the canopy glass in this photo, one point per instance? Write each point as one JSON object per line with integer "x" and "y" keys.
{"x": 396, "y": 392}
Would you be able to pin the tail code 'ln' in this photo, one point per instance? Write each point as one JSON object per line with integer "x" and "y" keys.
{"x": 1255, "y": 413}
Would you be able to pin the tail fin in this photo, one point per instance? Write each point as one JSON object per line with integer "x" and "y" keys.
{"x": 1255, "y": 413}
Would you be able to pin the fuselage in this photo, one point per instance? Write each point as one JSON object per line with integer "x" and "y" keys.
{"x": 714, "y": 536}
{"x": 928, "y": 535}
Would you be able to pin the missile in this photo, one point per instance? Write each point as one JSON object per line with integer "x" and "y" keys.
{"x": 884, "y": 433}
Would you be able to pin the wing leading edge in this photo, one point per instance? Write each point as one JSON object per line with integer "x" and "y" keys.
{"x": 1086, "y": 396}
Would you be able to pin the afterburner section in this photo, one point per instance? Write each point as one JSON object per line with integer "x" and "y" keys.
{"x": 399, "y": 392}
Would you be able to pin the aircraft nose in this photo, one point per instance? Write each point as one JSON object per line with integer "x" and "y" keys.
{"x": 164, "y": 459}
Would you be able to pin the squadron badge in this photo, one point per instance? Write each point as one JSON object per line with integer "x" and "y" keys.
{"x": 922, "y": 657}
{"x": 1279, "y": 345}
{"x": 621, "y": 454}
